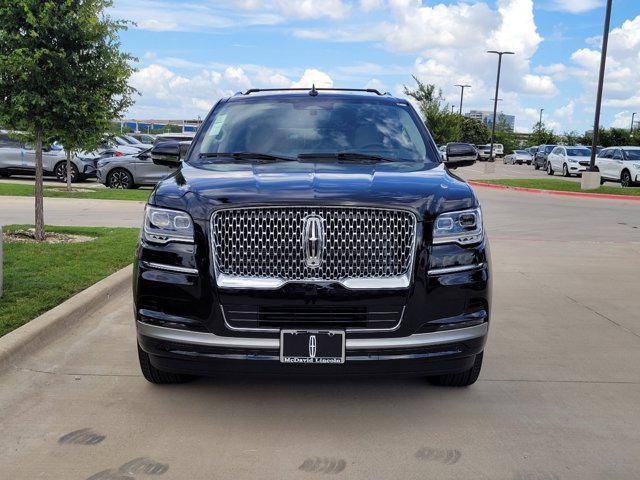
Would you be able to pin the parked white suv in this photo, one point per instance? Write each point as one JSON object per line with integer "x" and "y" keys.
{"x": 568, "y": 160}
{"x": 620, "y": 164}
{"x": 498, "y": 151}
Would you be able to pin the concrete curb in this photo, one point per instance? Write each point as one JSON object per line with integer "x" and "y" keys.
{"x": 606, "y": 196}
{"x": 56, "y": 322}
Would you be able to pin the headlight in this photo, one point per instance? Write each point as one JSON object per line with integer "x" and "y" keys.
{"x": 162, "y": 225}
{"x": 572, "y": 160}
{"x": 463, "y": 227}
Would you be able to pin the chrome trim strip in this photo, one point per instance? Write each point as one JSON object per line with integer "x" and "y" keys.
{"x": 224, "y": 280}
{"x": 170, "y": 268}
{"x": 419, "y": 339}
{"x": 210, "y": 339}
{"x": 461, "y": 268}
{"x": 205, "y": 339}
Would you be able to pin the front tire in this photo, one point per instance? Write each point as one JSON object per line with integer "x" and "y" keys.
{"x": 549, "y": 169}
{"x": 565, "y": 171}
{"x": 60, "y": 171}
{"x": 159, "y": 377}
{"x": 536, "y": 166}
{"x": 625, "y": 179}
{"x": 462, "y": 379}
{"x": 119, "y": 178}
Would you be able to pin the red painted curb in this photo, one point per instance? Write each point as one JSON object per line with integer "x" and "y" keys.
{"x": 607, "y": 196}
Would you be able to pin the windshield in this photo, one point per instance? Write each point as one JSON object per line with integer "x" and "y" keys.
{"x": 131, "y": 140}
{"x": 289, "y": 127}
{"x": 578, "y": 152}
{"x": 548, "y": 148}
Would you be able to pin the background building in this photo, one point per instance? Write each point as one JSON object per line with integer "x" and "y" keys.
{"x": 486, "y": 117}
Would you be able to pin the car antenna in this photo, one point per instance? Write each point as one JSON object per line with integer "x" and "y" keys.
{"x": 313, "y": 92}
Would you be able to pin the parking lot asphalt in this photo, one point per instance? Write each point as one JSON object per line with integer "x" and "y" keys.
{"x": 498, "y": 170}
{"x": 558, "y": 397}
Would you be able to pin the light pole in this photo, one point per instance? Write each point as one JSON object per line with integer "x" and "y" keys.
{"x": 495, "y": 102}
{"x": 633, "y": 116}
{"x": 603, "y": 61}
{"x": 462, "y": 87}
{"x": 540, "y": 121}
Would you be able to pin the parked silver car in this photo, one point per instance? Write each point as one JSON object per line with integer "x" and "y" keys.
{"x": 519, "y": 157}
{"x": 130, "y": 171}
{"x": 18, "y": 158}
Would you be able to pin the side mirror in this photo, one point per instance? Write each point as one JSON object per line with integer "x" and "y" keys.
{"x": 166, "y": 153}
{"x": 460, "y": 155}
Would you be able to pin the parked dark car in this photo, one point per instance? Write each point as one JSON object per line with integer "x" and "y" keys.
{"x": 540, "y": 158}
{"x": 313, "y": 232}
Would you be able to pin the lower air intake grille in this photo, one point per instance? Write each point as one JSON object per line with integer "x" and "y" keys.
{"x": 316, "y": 317}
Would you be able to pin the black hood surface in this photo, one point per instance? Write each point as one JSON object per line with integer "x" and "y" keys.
{"x": 426, "y": 188}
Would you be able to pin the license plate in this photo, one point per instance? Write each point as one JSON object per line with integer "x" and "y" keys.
{"x": 312, "y": 346}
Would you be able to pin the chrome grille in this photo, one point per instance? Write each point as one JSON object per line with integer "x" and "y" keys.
{"x": 360, "y": 243}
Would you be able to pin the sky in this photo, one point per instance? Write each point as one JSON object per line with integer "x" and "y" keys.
{"x": 191, "y": 53}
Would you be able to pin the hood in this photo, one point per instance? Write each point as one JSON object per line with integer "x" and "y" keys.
{"x": 427, "y": 188}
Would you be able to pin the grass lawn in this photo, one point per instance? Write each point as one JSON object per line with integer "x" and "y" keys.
{"x": 37, "y": 277}
{"x": 561, "y": 185}
{"x": 23, "y": 190}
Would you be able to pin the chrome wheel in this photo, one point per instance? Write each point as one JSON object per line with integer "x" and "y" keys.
{"x": 61, "y": 172}
{"x": 625, "y": 179}
{"x": 120, "y": 179}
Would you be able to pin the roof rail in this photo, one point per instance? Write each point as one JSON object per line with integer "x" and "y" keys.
{"x": 313, "y": 89}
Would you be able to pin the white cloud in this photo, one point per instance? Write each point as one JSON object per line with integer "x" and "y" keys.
{"x": 369, "y": 5}
{"x": 335, "y": 9}
{"x": 538, "y": 85}
{"x": 587, "y": 58}
{"x": 167, "y": 15}
{"x": 166, "y": 94}
{"x": 623, "y": 120}
{"x": 622, "y": 81}
{"x": 315, "y": 77}
{"x": 576, "y": 6}
{"x": 566, "y": 111}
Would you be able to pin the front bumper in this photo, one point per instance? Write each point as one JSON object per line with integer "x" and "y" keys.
{"x": 200, "y": 353}
{"x": 577, "y": 168}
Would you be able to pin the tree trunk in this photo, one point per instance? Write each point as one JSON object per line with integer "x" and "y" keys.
{"x": 68, "y": 170}
{"x": 39, "y": 230}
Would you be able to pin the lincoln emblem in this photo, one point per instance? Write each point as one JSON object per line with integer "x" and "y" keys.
{"x": 313, "y": 240}
{"x": 312, "y": 346}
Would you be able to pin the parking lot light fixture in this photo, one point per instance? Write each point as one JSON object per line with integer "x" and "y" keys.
{"x": 495, "y": 101}
{"x": 633, "y": 117}
{"x": 462, "y": 87}
{"x": 540, "y": 121}
{"x": 603, "y": 61}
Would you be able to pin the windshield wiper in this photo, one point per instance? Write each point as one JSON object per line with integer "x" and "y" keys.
{"x": 248, "y": 156}
{"x": 347, "y": 156}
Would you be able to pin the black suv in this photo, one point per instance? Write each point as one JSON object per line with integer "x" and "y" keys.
{"x": 312, "y": 232}
{"x": 541, "y": 156}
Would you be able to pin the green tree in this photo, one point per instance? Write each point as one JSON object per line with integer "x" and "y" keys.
{"x": 61, "y": 74}
{"x": 473, "y": 131}
{"x": 441, "y": 122}
{"x": 505, "y": 135}
{"x": 542, "y": 135}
